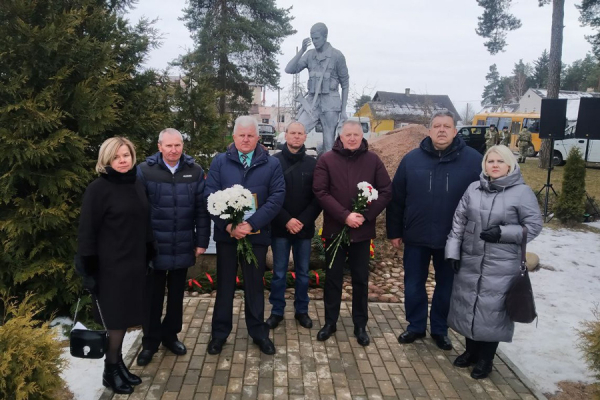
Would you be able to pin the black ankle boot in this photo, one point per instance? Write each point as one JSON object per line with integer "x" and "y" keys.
{"x": 112, "y": 379}
{"x": 130, "y": 378}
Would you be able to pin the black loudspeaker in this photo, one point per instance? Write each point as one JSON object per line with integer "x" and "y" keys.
{"x": 553, "y": 119}
{"x": 588, "y": 119}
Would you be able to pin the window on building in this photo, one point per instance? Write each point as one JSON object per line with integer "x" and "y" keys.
{"x": 282, "y": 118}
{"x": 265, "y": 120}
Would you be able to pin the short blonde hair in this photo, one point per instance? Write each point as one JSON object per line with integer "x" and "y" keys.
{"x": 109, "y": 150}
{"x": 504, "y": 152}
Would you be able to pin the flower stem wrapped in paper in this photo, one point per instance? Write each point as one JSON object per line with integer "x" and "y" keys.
{"x": 231, "y": 204}
{"x": 366, "y": 194}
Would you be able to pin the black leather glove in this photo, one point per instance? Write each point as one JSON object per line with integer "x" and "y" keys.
{"x": 491, "y": 235}
{"x": 455, "y": 264}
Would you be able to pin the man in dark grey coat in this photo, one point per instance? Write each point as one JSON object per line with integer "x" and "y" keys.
{"x": 175, "y": 187}
{"x": 426, "y": 190}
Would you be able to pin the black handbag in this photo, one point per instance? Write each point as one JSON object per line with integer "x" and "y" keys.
{"x": 87, "y": 343}
{"x": 520, "y": 304}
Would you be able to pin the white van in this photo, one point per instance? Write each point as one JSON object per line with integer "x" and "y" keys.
{"x": 562, "y": 147}
{"x": 314, "y": 139}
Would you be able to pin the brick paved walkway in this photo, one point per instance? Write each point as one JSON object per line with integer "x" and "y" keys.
{"x": 304, "y": 368}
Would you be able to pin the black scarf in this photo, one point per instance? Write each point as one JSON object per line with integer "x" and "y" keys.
{"x": 117, "y": 177}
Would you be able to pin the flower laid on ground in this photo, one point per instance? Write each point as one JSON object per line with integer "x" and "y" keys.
{"x": 230, "y": 204}
{"x": 366, "y": 194}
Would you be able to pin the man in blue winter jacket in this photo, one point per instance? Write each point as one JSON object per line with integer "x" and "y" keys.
{"x": 248, "y": 164}
{"x": 181, "y": 225}
{"x": 427, "y": 188}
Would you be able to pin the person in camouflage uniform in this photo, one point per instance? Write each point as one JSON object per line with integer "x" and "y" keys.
{"x": 492, "y": 137}
{"x": 524, "y": 141}
{"x": 505, "y": 137}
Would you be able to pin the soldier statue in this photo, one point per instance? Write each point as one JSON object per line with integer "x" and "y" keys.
{"x": 524, "y": 142}
{"x": 327, "y": 73}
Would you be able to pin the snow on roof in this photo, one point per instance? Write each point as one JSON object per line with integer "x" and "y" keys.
{"x": 392, "y": 104}
{"x": 573, "y": 100}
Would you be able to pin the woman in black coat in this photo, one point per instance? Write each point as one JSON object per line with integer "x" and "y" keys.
{"x": 113, "y": 247}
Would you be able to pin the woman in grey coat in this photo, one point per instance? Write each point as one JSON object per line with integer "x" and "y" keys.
{"x": 484, "y": 248}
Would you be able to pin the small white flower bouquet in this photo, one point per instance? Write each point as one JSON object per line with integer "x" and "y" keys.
{"x": 366, "y": 194}
{"x": 230, "y": 204}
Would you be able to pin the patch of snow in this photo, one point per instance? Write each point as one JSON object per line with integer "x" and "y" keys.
{"x": 594, "y": 224}
{"x": 84, "y": 376}
{"x": 547, "y": 353}
{"x": 61, "y": 325}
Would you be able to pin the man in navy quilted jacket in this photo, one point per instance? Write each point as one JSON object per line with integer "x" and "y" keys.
{"x": 181, "y": 225}
{"x": 246, "y": 163}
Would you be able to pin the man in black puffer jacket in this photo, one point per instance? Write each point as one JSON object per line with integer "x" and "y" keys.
{"x": 294, "y": 226}
{"x": 181, "y": 225}
{"x": 427, "y": 187}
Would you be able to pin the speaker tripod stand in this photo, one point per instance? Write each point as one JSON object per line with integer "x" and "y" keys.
{"x": 548, "y": 185}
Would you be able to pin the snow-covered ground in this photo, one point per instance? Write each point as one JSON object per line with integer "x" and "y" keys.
{"x": 565, "y": 289}
{"x": 83, "y": 376}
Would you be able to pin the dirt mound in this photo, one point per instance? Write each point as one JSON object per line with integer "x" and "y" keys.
{"x": 391, "y": 148}
{"x": 395, "y": 144}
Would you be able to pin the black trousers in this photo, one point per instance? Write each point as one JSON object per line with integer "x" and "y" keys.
{"x": 166, "y": 330}
{"x": 358, "y": 258}
{"x": 254, "y": 299}
{"x": 483, "y": 350}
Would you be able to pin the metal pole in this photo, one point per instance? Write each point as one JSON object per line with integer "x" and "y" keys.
{"x": 278, "y": 95}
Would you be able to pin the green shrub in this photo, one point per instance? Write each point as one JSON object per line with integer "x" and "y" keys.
{"x": 571, "y": 201}
{"x": 589, "y": 343}
{"x": 30, "y": 360}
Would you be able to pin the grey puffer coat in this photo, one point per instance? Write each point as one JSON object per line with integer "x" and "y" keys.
{"x": 487, "y": 270}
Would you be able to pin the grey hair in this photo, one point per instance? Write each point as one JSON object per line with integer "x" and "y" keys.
{"x": 444, "y": 113}
{"x": 351, "y": 122}
{"x": 245, "y": 121}
{"x": 169, "y": 131}
{"x": 320, "y": 27}
{"x": 297, "y": 123}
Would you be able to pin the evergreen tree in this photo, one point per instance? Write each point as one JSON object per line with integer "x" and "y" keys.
{"x": 236, "y": 44}
{"x": 571, "y": 201}
{"x": 67, "y": 76}
{"x": 520, "y": 80}
{"x": 495, "y": 22}
{"x": 582, "y": 74}
{"x": 590, "y": 16}
{"x": 493, "y": 92}
{"x": 361, "y": 101}
{"x": 540, "y": 71}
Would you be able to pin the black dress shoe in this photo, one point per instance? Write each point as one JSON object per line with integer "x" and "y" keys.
{"x": 266, "y": 346}
{"x": 304, "y": 320}
{"x": 482, "y": 369}
{"x": 215, "y": 346}
{"x": 111, "y": 378}
{"x": 442, "y": 341}
{"x": 176, "y": 347}
{"x": 130, "y": 378}
{"x": 465, "y": 360}
{"x": 409, "y": 337}
{"x": 274, "y": 320}
{"x": 361, "y": 336}
{"x": 326, "y": 331}
{"x": 145, "y": 357}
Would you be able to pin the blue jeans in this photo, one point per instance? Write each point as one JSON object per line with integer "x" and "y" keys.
{"x": 416, "y": 269}
{"x": 281, "y": 258}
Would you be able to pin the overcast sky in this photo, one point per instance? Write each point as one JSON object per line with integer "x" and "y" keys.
{"x": 429, "y": 46}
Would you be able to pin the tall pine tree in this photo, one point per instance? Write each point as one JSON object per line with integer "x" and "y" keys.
{"x": 539, "y": 79}
{"x": 493, "y": 92}
{"x": 236, "y": 44}
{"x": 69, "y": 71}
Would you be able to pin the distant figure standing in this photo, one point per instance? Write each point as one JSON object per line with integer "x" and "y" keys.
{"x": 505, "y": 137}
{"x": 327, "y": 72}
{"x": 524, "y": 142}
{"x": 492, "y": 137}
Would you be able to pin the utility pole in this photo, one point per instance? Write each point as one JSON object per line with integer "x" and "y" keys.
{"x": 278, "y": 96}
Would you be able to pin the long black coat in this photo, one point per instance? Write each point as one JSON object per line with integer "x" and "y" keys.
{"x": 114, "y": 226}
{"x": 300, "y": 201}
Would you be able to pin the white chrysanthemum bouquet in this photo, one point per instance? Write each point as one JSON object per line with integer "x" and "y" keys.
{"x": 366, "y": 194}
{"x": 230, "y": 204}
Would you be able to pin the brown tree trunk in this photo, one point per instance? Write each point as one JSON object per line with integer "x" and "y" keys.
{"x": 556, "y": 41}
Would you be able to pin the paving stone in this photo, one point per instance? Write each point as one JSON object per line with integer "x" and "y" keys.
{"x": 304, "y": 368}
